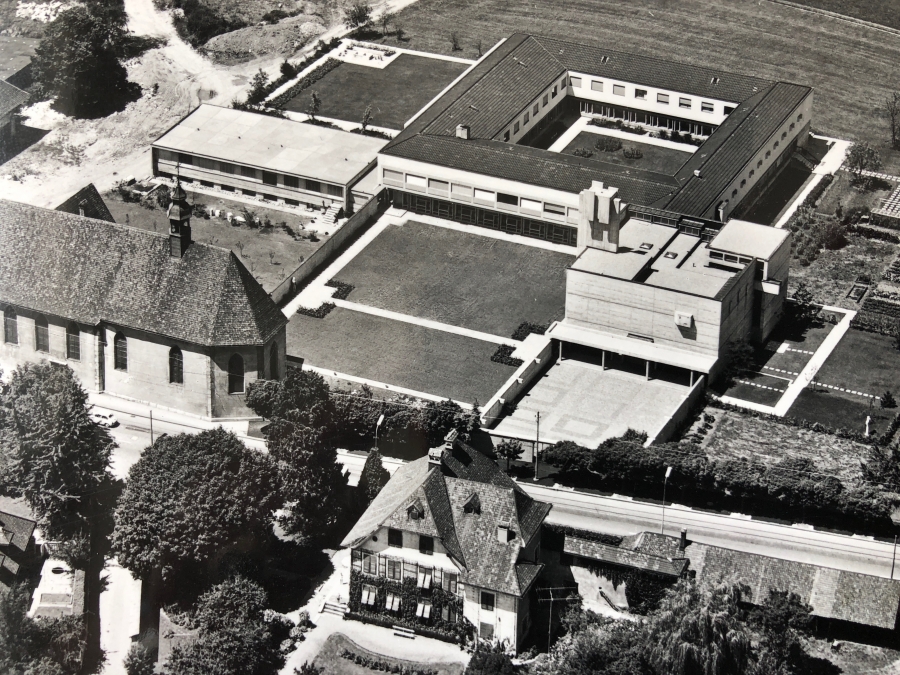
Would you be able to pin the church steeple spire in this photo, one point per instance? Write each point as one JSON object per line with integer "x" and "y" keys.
{"x": 179, "y": 215}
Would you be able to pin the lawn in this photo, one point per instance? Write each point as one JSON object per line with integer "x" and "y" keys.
{"x": 831, "y": 275}
{"x": 331, "y": 662}
{"x": 852, "y": 68}
{"x": 458, "y": 278}
{"x": 865, "y": 362}
{"x": 841, "y": 192}
{"x": 269, "y": 253}
{"x": 397, "y": 353}
{"x": 837, "y": 409}
{"x": 656, "y": 158}
{"x": 396, "y": 92}
{"x": 736, "y": 435}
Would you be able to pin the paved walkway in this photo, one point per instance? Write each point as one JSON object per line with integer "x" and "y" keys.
{"x": 343, "y": 124}
{"x": 120, "y": 607}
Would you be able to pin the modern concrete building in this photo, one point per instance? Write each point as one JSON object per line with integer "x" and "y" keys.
{"x": 271, "y": 158}
{"x": 452, "y": 521}
{"x": 149, "y": 317}
{"x": 470, "y": 156}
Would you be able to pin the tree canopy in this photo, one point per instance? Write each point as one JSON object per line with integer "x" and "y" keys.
{"x": 373, "y": 477}
{"x": 53, "y": 454}
{"x": 191, "y": 498}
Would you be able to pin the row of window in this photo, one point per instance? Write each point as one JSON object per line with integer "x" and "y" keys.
{"x": 393, "y": 603}
{"x": 120, "y": 350}
{"x": 266, "y": 177}
{"x": 535, "y": 110}
{"x": 41, "y": 334}
{"x": 642, "y": 95}
{"x": 759, "y": 162}
{"x": 478, "y": 195}
{"x": 426, "y": 578}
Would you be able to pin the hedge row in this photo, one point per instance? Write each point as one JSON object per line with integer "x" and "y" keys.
{"x": 816, "y": 193}
{"x": 319, "y": 312}
{"x": 310, "y": 79}
{"x": 526, "y": 328}
{"x": 504, "y": 355}
{"x": 373, "y": 663}
{"x": 552, "y": 536}
{"x": 871, "y": 233}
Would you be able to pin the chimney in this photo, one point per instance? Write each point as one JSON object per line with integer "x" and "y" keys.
{"x": 697, "y": 173}
{"x": 682, "y": 544}
{"x": 434, "y": 456}
{"x": 503, "y": 532}
{"x": 462, "y": 131}
{"x": 179, "y": 215}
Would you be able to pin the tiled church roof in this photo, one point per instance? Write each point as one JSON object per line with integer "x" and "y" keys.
{"x": 90, "y": 271}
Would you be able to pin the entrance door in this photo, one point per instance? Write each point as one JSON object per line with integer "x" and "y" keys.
{"x": 101, "y": 361}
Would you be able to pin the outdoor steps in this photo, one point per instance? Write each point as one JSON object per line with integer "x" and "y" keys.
{"x": 802, "y": 157}
{"x": 334, "y": 608}
{"x": 331, "y": 214}
{"x": 402, "y": 631}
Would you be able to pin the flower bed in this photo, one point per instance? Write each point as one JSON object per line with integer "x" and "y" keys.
{"x": 319, "y": 312}
{"x": 343, "y": 290}
{"x": 504, "y": 355}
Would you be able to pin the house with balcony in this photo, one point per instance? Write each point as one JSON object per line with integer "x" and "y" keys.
{"x": 449, "y": 547}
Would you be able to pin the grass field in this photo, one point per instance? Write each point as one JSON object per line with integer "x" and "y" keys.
{"x": 395, "y": 93}
{"x": 883, "y": 12}
{"x": 458, "y": 278}
{"x": 865, "y": 362}
{"x": 269, "y": 254}
{"x": 400, "y": 354}
{"x": 852, "y": 68}
{"x": 656, "y": 158}
{"x": 835, "y": 409}
{"x": 831, "y": 275}
{"x": 735, "y": 435}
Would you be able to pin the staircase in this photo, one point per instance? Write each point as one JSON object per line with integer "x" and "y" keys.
{"x": 332, "y": 214}
{"x": 334, "y": 608}
{"x": 402, "y": 631}
{"x": 804, "y": 159}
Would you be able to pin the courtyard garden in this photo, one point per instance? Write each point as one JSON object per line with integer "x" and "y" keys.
{"x": 627, "y": 152}
{"x": 271, "y": 252}
{"x": 395, "y": 93}
{"x": 459, "y": 278}
{"x": 399, "y": 354}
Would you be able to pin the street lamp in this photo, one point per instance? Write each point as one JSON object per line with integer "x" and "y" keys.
{"x": 662, "y": 530}
{"x": 378, "y": 424}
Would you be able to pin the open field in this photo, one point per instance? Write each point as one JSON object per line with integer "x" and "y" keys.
{"x": 656, "y": 158}
{"x": 852, "y": 68}
{"x": 459, "y": 278}
{"x": 883, "y": 12}
{"x": 830, "y": 276}
{"x": 735, "y": 435}
{"x": 396, "y": 92}
{"x": 397, "y": 353}
{"x": 270, "y": 254}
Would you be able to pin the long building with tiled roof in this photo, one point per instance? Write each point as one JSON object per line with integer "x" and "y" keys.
{"x": 147, "y": 316}
{"x": 454, "y": 521}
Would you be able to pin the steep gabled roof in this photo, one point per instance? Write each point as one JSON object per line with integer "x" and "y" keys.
{"x": 90, "y": 271}
{"x": 11, "y": 97}
{"x": 471, "y": 539}
{"x": 90, "y": 201}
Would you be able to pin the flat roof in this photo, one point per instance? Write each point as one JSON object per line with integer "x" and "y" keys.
{"x": 703, "y": 281}
{"x": 752, "y": 239}
{"x": 631, "y": 258}
{"x": 272, "y": 143}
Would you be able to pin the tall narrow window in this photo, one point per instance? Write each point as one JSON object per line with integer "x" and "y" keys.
{"x": 73, "y": 342}
{"x": 41, "y": 334}
{"x": 120, "y": 352}
{"x": 10, "y": 326}
{"x": 273, "y": 363}
{"x": 236, "y": 374}
{"x": 176, "y": 366}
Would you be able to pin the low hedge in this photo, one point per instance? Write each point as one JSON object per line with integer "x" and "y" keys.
{"x": 373, "y": 663}
{"x": 872, "y": 233}
{"x": 319, "y": 312}
{"x": 343, "y": 289}
{"x": 309, "y": 80}
{"x": 526, "y": 328}
{"x": 504, "y": 355}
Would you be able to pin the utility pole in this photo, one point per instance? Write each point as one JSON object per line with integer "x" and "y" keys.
{"x": 662, "y": 530}
{"x": 894, "y": 557}
{"x": 537, "y": 440}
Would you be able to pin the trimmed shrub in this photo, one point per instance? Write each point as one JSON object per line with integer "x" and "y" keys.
{"x": 526, "y": 328}
{"x": 343, "y": 290}
{"x": 504, "y": 355}
{"x": 319, "y": 312}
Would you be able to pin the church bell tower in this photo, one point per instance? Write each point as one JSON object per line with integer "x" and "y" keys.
{"x": 179, "y": 215}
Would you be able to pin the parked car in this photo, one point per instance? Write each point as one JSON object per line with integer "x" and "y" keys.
{"x": 104, "y": 419}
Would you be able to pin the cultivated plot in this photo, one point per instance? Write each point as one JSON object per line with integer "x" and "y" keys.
{"x": 397, "y": 353}
{"x": 459, "y": 278}
{"x": 651, "y": 157}
{"x": 396, "y": 92}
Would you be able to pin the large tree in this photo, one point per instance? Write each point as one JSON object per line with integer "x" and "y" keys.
{"x": 53, "y": 454}
{"x": 192, "y": 498}
{"x": 233, "y": 637}
{"x": 312, "y": 481}
{"x": 78, "y": 62}
{"x": 862, "y": 159}
{"x": 373, "y": 477}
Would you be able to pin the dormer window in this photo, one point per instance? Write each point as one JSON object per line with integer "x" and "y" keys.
{"x": 415, "y": 511}
{"x": 472, "y": 504}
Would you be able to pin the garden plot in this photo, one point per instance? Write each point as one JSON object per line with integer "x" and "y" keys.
{"x": 398, "y": 354}
{"x": 649, "y": 157}
{"x": 459, "y": 278}
{"x": 395, "y": 93}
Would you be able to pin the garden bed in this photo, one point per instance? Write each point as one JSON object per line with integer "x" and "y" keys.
{"x": 459, "y": 278}
{"x": 654, "y": 157}
{"x": 395, "y": 93}
{"x": 398, "y": 354}
{"x": 332, "y": 662}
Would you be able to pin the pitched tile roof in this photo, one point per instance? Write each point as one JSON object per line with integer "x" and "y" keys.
{"x": 17, "y": 519}
{"x": 624, "y": 557}
{"x": 832, "y": 593}
{"x": 470, "y": 538}
{"x": 11, "y": 97}
{"x": 89, "y": 200}
{"x": 90, "y": 271}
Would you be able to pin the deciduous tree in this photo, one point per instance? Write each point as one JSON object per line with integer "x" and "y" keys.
{"x": 862, "y": 158}
{"x": 386, "y": 19}
{"x": 357, "y": 13}
{"x": 373, "y": 477}
{"x": 53, "y": 454}
{"x": 509, "y": 449}
{"x": 892, "y": 112}
{"x": 314, "y": 105}
{"x": 191, "y": 498}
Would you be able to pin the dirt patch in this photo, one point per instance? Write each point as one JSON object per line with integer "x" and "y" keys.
{"x": 284, "y": 37}
{"x": 857, "y": 659}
